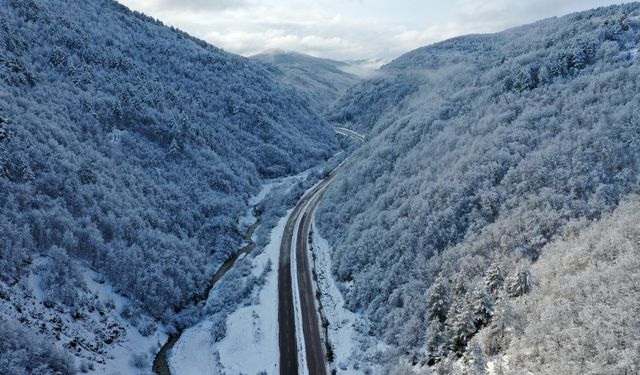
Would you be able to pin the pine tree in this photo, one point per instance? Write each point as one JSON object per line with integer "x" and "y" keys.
{"x": 499, "y": 326}
{"x": 473, "y": 359}
{"x": 438, "y": 300}
{"x": 86, "y": 173}
{"x": 518, "y": 283}
{"x": 544, "y": 75}
{"x": 482, "y": 307}
{"x": 494, "y": 280}
{"x": 174, "y": 148}
{"x": 435, "y": 342}
{"x": 461, "y": 327}
{"x": 3, "y": 130}
{"x": 459, "y": 287}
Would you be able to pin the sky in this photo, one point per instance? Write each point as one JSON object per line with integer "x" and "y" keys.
{"x": 347, "y": 29}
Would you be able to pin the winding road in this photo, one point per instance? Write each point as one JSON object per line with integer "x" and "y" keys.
{"x": 296, "y": 233}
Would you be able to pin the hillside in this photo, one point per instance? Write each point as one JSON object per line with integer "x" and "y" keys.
{"x": 481, "y": 151}
{"x": 322, "y": 81}
{"x": 128, "y": 153}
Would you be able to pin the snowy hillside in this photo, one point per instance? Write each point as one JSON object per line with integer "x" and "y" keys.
{"x": 321, "y": 80}
{"x": 482, "y": 150}
{"x": 129, "y": 150}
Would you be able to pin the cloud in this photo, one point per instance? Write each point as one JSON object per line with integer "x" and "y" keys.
{"x": 347, "y": 29}
{"x": 187, "y": 5}
{"x": 495, "y": 15}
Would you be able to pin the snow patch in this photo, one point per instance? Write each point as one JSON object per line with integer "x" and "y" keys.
{"x": 341, "y": 330}
{"x": 193, "y": 353}
{"x": 251, "y": 343}
{"x": 100, "y": 336}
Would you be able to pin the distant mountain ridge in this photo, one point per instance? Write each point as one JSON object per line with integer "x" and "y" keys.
{"x": 321, "y": 80}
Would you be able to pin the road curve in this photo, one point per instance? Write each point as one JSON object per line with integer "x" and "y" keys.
{"x": 298, "y": 224}
{"x": 350, "y": 133}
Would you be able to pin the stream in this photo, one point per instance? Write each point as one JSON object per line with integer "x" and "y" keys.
{"x": 161, "y": 361}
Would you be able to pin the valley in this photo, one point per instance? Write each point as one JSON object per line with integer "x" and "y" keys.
{"x": 467, "y": 207}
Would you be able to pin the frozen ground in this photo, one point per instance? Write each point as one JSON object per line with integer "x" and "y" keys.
{"x": 251, "y": 342}
{"x": 121, "y": 354}
{"x": 193, "y": 353}
{"x": 341, "y": 331}
{"x": 100, "y": 336}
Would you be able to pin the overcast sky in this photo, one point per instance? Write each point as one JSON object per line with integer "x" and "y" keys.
{"x": 347, "y": 29}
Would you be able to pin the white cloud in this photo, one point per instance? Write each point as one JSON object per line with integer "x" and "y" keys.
{"x": 346, "y": 29}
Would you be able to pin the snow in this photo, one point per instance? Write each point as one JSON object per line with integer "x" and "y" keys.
{"x": 251, "y": 341}
{"x": 269, "y": 186}
{"x": 247, "y": 220}
{"x": 341, "y": 330}
{"x": 193, "y": 353}
{"x": 494, "y": 364}
{"x": 134, "y": 342}
{"x": 239, "y": 352}
{"x": 111, "y": 359}
{"x": 302, "y": 359}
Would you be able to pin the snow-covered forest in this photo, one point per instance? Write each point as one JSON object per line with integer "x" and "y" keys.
{"x": 482, "y": 150}
{"x": 488, "y": 223}
{"x": 132, "y": 149}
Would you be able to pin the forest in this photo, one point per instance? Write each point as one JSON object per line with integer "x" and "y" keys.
{"x": 132, "y": 148}
{"x": 482, "y": 151}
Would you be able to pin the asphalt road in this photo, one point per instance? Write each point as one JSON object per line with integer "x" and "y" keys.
{"x": 297, "y": 229}
{"x": 298, "y": 223}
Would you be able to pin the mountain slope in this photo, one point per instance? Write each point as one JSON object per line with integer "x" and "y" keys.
{"x": 587, "y": 299}
{"x": 321, "y": 80}
{"x": 480, "y": 150}
{"x": 132, "y": 148}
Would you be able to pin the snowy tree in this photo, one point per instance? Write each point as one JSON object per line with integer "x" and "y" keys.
{"x": 436, "y": 342}
{"x": 494, "y": 280}
{"x": 482, "y": 307}
{"x": 518, "y": 283}
{"x": 438, "y": 300}
{"x": 4, "y": 133}
{"x": 473, "y": 359}
{"x": 174, "y": 147}
{"x": 460, "y": 326}
{"x": 86, "y": 174}
{"x": 498, "y": 330}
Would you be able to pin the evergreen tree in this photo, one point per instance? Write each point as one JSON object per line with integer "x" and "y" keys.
{"x": 174, "y": 147}
{"x": 494, "y": 280}
{"x": 3, "y": 129}
{"x": 459, "y": 287}
{"x": 473, "y": 359}
{"x": 438, "y": 300}
{"x": 482, "y": 307}
{"x": 460, "y": 327}
{"x": 501, "y": 322}
{"x": 518, "y": 283}
{"x": 435, "y": 342}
